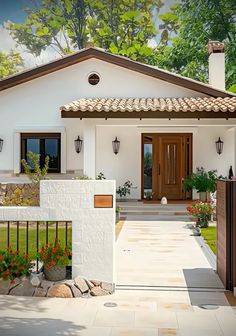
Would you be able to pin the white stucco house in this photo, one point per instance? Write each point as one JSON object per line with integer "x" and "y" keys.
{"x": 167, "y": 125}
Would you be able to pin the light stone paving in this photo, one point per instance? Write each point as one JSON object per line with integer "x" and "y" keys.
{"x": 157, "y": 254}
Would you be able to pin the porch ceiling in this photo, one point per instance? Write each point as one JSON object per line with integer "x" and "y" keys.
{"x": 194, "y": 107}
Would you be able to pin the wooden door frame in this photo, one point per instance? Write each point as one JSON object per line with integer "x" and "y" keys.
{"x": 188, "y": 167}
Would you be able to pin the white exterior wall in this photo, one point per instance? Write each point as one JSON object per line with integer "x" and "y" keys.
{"x": 126, "y": 165}
{"x": 34, "y": 107}
{"x": 35, "y": 104}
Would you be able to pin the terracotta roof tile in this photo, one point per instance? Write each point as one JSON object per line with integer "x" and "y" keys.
{"x": 185, "y": 104}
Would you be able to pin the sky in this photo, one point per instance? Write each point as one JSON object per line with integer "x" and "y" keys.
{"x": 13, "y": 10}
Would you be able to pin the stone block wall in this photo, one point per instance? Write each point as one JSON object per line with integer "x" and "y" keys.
{"x": 93, "y": 229}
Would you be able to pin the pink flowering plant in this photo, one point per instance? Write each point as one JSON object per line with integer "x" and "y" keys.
{"x": 13, "y": 264}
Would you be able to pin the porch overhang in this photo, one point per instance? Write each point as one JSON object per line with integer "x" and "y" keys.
{"x": 151, "y": 108}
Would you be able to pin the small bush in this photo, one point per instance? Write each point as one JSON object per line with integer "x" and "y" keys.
{"x": 14, "y": 265}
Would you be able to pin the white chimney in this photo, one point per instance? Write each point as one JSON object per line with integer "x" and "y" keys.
{"x": 216, "y": 51}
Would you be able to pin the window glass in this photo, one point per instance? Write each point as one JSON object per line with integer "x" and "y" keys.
{"x": 51, "y": 150}
{"x": 147, "y": 170}
{"x": 44, "y": 145}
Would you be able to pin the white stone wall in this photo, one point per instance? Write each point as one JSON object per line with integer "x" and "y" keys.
{"x": 93, "y": 229}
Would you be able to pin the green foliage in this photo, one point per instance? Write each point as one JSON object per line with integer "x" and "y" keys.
{"x": 209, "y": 234}
{"x": 201, "y": 21}
{"x": 18, "y": 198}
{"x": 201, "y": 210}
{"x": 124, "y": 190}
{"x": 10, "y": 64}
{"x": 33, "y": 170}
{"x": 122, "y": 27}
{"x": 82, "y": 177}
{"x": 100, "y": 176}
{"x": 55, "y": 254}
{"x": 148, "y": 195}
{"x": 201, "y": 180}
{"x": 14, "y": 265}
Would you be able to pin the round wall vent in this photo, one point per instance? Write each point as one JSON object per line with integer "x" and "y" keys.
{"x": 93, "y": 79}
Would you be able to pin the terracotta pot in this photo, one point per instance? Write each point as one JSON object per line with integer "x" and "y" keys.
{"x": 55, "y": 273}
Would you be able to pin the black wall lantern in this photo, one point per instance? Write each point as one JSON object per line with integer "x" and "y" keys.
{"x": 116, "y": 145}
{"x": 219, "y": 146}
{"x": 78, "y": 144}
{"x": 1, "y": 144}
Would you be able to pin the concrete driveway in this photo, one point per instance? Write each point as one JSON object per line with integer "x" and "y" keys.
{"x": 166, "y": 287}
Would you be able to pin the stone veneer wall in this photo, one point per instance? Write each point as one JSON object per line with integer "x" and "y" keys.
{"x": 93, "y": 229}
{"x": 28, "y": 190}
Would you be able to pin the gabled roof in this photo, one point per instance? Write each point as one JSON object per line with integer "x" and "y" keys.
{"x": 124, "y": 62}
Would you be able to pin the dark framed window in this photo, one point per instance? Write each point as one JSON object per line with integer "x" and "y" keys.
{"x": 45, "y": 144}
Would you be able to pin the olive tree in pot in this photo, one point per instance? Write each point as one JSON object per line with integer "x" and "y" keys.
{"x": 204, "y": 182}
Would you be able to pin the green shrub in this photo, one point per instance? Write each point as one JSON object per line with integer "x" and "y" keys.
{"x": 201, "y": 180}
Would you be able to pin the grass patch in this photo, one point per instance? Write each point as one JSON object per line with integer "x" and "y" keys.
{"x": 209, "y": 234}
{"x": 33, "y": 237}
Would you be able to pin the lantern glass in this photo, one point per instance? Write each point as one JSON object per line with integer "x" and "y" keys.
{"x": 78, "y": 144}
{"x": 116, "y": 146}
{"x": 1, "y": 144}
{"x": 219, "y": 146}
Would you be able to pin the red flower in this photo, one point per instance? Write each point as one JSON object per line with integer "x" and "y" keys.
{"x": 16, "y": 271}
{"x": 70, "y": 254}
{"x": 53, "y": 262}
{"x": 1, "y": 257}
{"x": 22, "y": 267}
{"x": 58, "y": 257}
{"x": 12, "y": 282}
{"x": 15, "y": 252}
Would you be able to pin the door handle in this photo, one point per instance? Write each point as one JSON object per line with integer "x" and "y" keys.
{"x": 159, "y": 169}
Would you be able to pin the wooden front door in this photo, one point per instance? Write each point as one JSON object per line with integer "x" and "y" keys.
{"x": 167, "y": 160}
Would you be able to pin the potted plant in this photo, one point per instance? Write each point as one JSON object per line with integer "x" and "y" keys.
{"x": 55, "y": 258}
{"x": 148, "y": 195}
{"x": 118, "y": 209}
{"x": 202, "y": 211}
{"x": 124, "y": 190}
{"x": 14, "y": 265}
{"x": 203, "y": 181}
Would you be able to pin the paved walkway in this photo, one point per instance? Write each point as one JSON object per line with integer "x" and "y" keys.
{"x": 149, "y": 253}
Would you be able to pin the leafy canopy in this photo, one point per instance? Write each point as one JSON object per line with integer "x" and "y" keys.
{"x": 10, "y": 64}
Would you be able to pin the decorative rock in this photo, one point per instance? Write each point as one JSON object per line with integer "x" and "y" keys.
{"x": 46, "y": 284}
{"x": 4, "y": 287}
{"x": 36, "y": 279}
{"x": 81, "y": 284}
{"x": 89, "y": 283}
{"x": 98, "y": 291}
{"x": 164, "y": 201}
{"x": 107, "y": 286}
{"x": 60, "y": 291}
{"x": 23, "y": 289}
{"x": 96, "y": 282}
{"x": 75, "y": 291}
{"x": 40, "y": 292}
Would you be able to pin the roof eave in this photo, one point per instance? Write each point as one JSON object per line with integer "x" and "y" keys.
{"x": 148, "y": 115}
{"x": 124, "y": 62}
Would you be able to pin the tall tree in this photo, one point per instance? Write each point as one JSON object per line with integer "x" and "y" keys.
{"x": 10, "y": 63}
{"x": 120, "y": 26}
{"x": 201, "y": 21}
